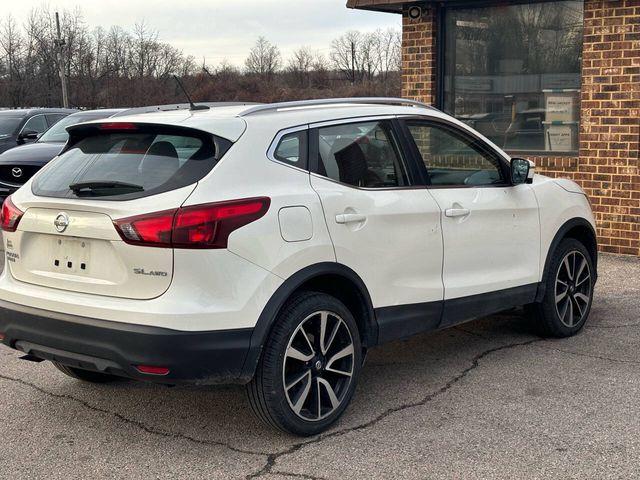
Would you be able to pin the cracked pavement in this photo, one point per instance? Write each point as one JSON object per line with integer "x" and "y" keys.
{"x": 488, "y": 399}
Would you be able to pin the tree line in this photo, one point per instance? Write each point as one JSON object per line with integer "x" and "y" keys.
{"x": 116, "y": 68}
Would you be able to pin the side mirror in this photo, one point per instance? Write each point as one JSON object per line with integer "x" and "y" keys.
{"x": 522, "y": 171}
{"x": 28, "y": 135}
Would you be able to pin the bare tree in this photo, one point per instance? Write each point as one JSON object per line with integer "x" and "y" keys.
{"x": 345, "y": 55}
{"x": 362, "y": 56}
{"x": 114, "y": 67}
{"x": 388, "y": 47}
{"x": 12, "y": 45}
{"x": 264, "y": 59}
{"x": 300, "y": 65}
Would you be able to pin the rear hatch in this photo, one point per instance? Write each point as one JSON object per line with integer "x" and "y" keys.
{"x": 67, "y": 238}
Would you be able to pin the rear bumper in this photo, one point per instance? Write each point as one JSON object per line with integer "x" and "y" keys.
{"x": 208, "y": 357}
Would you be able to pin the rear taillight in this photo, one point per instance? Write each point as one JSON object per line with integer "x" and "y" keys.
{"x": 11, "y": 216}
{"x": 200, "y": 226}
{"x": 152, "y": 229}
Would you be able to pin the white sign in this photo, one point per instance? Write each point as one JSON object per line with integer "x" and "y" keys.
{"x": 560, "y": 138}
{"x": 559, "y": 108}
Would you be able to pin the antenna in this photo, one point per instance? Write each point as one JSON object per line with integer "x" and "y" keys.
{"x": 194, "y": 107}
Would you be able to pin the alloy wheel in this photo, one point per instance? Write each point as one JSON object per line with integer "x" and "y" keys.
{"x": 318, "y": 366}
{"x": 573, "y": 288}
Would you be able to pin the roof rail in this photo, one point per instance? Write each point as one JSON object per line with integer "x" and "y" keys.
{"x": 333, "y": 101}
{"x": 178, "y": 106}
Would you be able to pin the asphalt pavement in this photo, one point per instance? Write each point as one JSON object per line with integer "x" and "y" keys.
{"x": 488, "y": 399}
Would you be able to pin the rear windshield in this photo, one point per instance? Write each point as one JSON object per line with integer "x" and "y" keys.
{"x": 123, "y": 165}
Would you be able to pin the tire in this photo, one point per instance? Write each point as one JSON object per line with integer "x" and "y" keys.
{"x": 568, "y": 292}
{"x": 85, "y": 375}
{"x": 297, "y": 355}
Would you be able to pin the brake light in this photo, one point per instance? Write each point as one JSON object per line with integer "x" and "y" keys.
{"x": 11, "y": 216}
{"x": 152, "y": 229}
{"x": 118, "y": 126}
{"x": 200, "y": 226}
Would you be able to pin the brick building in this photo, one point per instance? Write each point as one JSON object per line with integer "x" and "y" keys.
{"x": 555, "y": 81}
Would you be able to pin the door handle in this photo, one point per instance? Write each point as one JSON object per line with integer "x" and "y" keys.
{"x": 350, "y": 218}
{"x": 456, "y": 212}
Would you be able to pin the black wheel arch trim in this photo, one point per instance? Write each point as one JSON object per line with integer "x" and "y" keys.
{"x": 286, "y": 290}
{"x": 561, "y": 235}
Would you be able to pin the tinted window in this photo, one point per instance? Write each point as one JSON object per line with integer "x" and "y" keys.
{"x": 150, "y": 162}
{"x": 8, "y": 125}
{"x": 54, "y": 118}
{"x": 452, "y": 158}
{"x": 36, "y": 124}
{"x": 361, "y": 154}
{"x": 512, "y": 72}
{"x": 292, "y": 149}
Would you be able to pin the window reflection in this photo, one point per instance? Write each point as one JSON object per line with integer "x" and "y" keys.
{"x": 513, "y": 73}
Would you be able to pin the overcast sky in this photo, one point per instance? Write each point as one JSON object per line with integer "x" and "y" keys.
{"x": 224, "y": 29}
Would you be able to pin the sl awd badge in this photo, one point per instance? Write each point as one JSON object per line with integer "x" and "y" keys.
{"x": 61, "y": 222}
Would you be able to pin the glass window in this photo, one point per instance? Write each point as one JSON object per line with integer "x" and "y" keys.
{"x": 292, "y": 149}
{"x": 452, "y": 158}
{"x": 512, "y": 72}
{"x": 125, "y": 165}
{"x": 55, "y": 118}
{"x": 36, "y": 124}
{"x": 8, "y": 125}
{"x": 361, "y": 154}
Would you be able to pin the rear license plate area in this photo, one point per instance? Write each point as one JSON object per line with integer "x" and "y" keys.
{"x": 70, "y": 255}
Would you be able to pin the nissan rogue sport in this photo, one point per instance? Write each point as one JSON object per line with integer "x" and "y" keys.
{"x": 272, "y": 245}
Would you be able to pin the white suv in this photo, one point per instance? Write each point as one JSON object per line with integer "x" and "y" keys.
{"x": 273, "y": 245}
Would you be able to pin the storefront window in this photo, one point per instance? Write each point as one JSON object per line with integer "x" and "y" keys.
{"x": 513, "y": 73}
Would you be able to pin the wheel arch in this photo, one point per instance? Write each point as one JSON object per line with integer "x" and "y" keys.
{"x": 580, "y": 229}
{"x": 332, "y": 278}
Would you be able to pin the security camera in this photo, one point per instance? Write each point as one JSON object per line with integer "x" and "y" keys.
{"x": 415, "y": 12}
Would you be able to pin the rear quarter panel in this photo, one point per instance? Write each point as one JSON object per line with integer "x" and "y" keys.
{"x": 245, "y": 171}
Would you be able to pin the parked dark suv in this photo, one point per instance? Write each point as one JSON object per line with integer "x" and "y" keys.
{"x": 18, "y": 127}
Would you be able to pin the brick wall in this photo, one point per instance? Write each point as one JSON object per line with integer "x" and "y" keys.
{"x": 419, "y": 56}
{"x": 607, "y": 166}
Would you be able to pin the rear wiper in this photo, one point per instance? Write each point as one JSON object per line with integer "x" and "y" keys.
{"x": 106, "y": 187}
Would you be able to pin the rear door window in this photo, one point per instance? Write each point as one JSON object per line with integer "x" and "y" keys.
{"x": 122, "y": 165}
{"x": 363, "y": 154}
